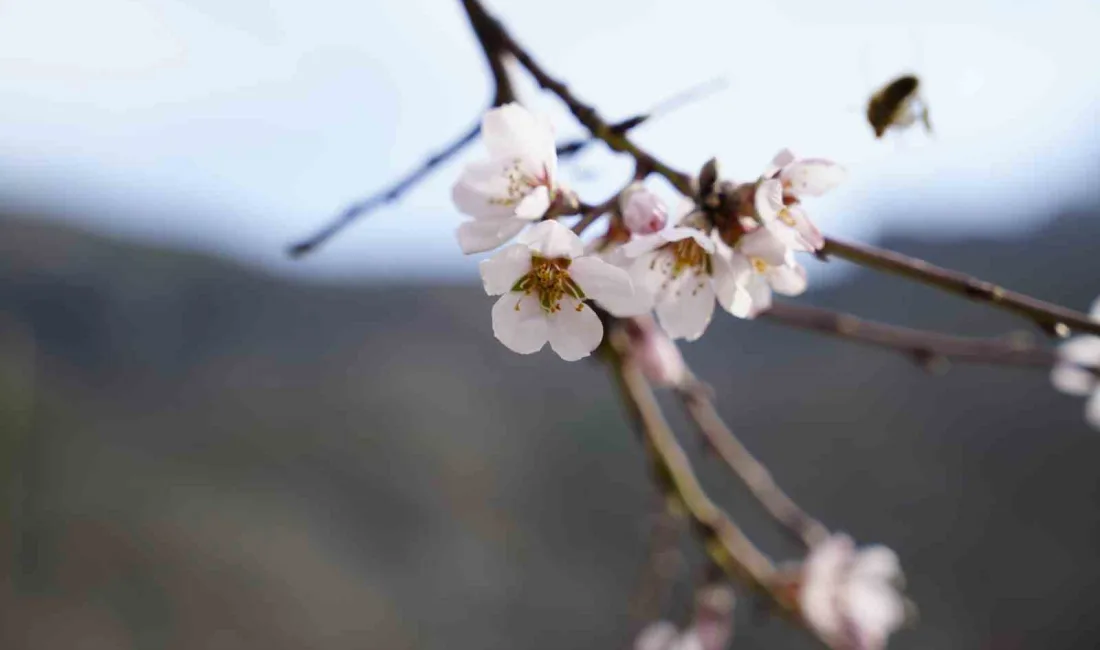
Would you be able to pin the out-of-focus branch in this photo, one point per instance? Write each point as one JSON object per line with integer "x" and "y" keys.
{"x": 920, "y": 345}
{"x": 1054, "y": 319}
{"x": 386, "y": 196}
{"x": 725, "y": 543}
{"x": 663, "y": 562}
{"x": 746, "y": 467}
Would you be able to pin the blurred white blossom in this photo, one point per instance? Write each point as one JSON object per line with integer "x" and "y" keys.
{"x": 515, "y": 186}
{"x": 711, "y": 628}
{"x": 780, "y": 190}
{"x": 545, "y": 279}
{"x": 644, "y": 213}
{"x": 1075, "y": 371}
{"x": 852, "y": 598}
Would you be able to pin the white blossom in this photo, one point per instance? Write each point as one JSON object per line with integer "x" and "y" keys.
{"x": 850, "y": 597}
{"x": 543, "y": 282}
{"x": 711, "y": 629}
{"x": 644, "y": 213}
{"x": 780, "y": 190}
{"x": 1074, "y": 372}
{"x": 515, "y": 186}
{"x": 680, "y": 272}
{"x": 763, "y": 262}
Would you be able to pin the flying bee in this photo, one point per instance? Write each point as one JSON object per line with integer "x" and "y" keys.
{"x": 898, "y": 104}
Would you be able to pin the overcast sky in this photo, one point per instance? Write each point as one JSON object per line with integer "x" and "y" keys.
{"x": 240, "y": 126}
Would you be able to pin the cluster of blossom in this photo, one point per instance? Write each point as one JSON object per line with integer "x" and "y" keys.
{"x": 677, "y": 269}
{"x": 1076, "y": 371}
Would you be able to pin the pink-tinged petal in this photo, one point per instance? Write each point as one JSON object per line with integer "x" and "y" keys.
{"x": 520, "y": 323}
{"x": 551, "y": 239}
{"x": 656, "y": 354}
{"x": 500, "y": 272}
{"x": 535, "y": 204}
{"x": 650, "y": 274}
{"x": 873, "y": 610}
{"x": 641, "y": 244}
{"x": 809, "y": 237}
{"x": 482, "y": 191}
{"x": 575, "y": 330}
{"x": 727, "y": 272}
{"x": 643, "y": 211}
{"x": 760, "y": 295}
{"x": 1072, "y": 379}
{"x": 877, "y": 563}
{"x": 788, "y": 279}
{"x": 480, "y": 235}
{"x": 686, "y": 307}
{"x": 512, "y": 133}
{"x": 764, "y": 244}
{"x": 781, "y": 160}
{"x": 608, "y": 285}
{"x": 1092, "y": 410}
{"x": 812, "y": 177}
{"x": 769, "y": 200}
{"x": 657, "y": 636}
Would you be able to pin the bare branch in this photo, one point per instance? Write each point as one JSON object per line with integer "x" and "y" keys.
{"x": 1054, "y": 320}
{"x": 921, "y": 345}
{"x": 386, "y": 196}
{"x": 746, "y": 467}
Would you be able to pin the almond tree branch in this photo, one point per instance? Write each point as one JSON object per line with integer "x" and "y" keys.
{"x": 921, "y": 345}
{"x": 1054, "y": 319}
{"x": 746, "y": 467}
{"x": 725, "y": 543}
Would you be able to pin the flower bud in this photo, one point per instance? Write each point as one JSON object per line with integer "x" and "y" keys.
{"x": 644, "y": 212}
{"x": 655, "y": 353}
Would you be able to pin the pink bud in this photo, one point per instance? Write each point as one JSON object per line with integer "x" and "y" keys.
{"x": 655, "y": 353}
{"x": 643, "y": 211}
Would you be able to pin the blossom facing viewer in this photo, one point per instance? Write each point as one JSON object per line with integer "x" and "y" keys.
{"x": 680, "y": 272}
{"x": 851, "y": 597}
{"x": 763, "y": 263}
{"x": 543, "y": 282}
{"x": 1074, "y": 373}
{"x": 515, "y": 186}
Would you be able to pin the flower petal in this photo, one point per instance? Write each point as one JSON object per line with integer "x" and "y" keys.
{"x": 781, "y": 160}
{"x": 480, "y": 235}
{"x": 769, "y": 200}
{"x": 809, "y": 237}
{"x": 687, "y": 306}
{"x": 500, "y": 272}
{"x": 513, "y": 132}
{"x": 551, "y": 239}
{"x": 481, "y": 191}
{"x": 727, "y": 272}
{"x": 535, "y": 204}
{"x": 657, "y": 636}
{"x": 876, "y": 563}
{"x": 575, "y": 330}
{"x": 520, "y": 323}
{"x": 787, "y": 279}
{"x": 1082, "y": 350}
{"x": 812, "y": 177}
{"x": 608, "y": 285}
{"x": 764, "y": 244}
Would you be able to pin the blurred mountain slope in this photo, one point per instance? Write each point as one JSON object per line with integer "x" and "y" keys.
{"x": 196, "y": 455}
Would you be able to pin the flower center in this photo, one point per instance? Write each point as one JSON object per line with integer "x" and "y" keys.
{"x": 520, "y": 184}
{"x": 549, "y": 279}
{"x": 688, "y": 254}
{"x": 758, "y": 264}
{"x": 785, "y": 217}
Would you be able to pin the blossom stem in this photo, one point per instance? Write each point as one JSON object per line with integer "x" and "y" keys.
{"x": 1053, "y": 319}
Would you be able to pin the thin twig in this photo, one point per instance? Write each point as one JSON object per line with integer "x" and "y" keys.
{"x": 386, "y": 196}
{"x": 1054, "y": 319}
{"x": 921, "y": 345}
{"x": 746, "y": 467}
